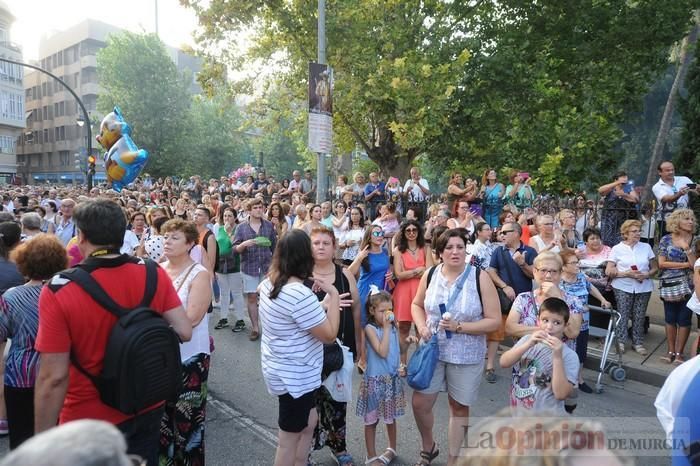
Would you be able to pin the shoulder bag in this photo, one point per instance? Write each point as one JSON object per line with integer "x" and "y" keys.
{"x": 674, "y": 289}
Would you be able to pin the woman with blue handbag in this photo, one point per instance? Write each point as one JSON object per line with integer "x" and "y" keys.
{"x": 445, "y": 305}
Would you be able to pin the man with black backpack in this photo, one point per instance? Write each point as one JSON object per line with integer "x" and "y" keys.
{"x": 108, "y": 336}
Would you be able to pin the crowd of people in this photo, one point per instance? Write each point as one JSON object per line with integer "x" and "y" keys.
{"x": 380, "y": 266}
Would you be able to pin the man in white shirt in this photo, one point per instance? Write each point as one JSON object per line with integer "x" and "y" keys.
{"x": 671, "y": 192}
{"x": 65, "y": 228}
{"x": 416, "y": 188}
{"x": 295, "y": 184}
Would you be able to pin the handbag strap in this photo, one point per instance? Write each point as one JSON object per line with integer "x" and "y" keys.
{"x": 184, "y": 279}
{"x": 340, "y": 285}
{"x": 459, "y": 284}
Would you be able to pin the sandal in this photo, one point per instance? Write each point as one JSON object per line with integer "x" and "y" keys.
{"x": 679, "y": 359}
{"x": 388, "y": 456}
{"x": 427, "y": 457}
{"x": 668, "y": 359}
{"x": 402, "y": 370}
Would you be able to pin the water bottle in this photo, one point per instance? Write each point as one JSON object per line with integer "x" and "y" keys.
{"x": 447, "y": 316}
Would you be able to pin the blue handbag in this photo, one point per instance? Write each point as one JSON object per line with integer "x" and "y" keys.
{"x": 421, "y": 366}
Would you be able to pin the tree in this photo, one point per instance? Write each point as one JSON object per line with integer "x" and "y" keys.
{"x": 684, "y": 63}
{"x": 214, "y": 143}
{"x": 551, "y": 82}
{"x": 541, "y": 86}
{"x": 136, "y": 73}
{"x": 688, "y": 159}
{"x": 272, "y": 118}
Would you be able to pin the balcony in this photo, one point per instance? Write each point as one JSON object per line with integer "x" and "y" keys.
{"x": 88, "y": 61}
{"x": 61, "y": 145}
{"x": 89, "y": 89}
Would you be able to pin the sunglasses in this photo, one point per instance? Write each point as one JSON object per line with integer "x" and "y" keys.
{"x": 411, "y": 230}
{"x": 377, "y": 234}
{"x": 504, "y": 232}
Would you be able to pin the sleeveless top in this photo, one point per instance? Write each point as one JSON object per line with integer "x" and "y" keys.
{"x": 462, "y": 348}
{"x": 200, "y": 334}
{"x": 346, "y": 329}
{"x": 377, "y": 365}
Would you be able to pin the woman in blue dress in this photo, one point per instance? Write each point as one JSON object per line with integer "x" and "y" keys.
{"x": 492, "y": 197}
{"x": 372, "y": 263}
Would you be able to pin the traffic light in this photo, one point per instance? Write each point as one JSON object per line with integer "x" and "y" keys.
{"x": 91, "y": 164}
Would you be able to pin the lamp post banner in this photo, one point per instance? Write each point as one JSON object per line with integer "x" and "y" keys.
{"x": 320, "y": 108}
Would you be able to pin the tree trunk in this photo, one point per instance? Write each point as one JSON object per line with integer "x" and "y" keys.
{"x": 685, "y": 58}
{"x": 392, "y": 159}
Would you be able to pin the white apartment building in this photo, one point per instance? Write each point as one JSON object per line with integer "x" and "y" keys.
{"x": 12, "y": 113}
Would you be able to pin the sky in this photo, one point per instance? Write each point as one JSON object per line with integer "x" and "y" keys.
{"x": 176, "y": 22}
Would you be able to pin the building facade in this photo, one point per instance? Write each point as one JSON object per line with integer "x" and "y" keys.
{"x": 54, "y": 147}
{"x": 12, "y": 113}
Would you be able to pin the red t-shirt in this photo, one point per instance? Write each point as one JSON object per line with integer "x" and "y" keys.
{"x": 69, "y": 319}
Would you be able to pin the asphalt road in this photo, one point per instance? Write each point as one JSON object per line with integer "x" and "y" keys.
{"x": 242, "y": 419}
{"x": 242, "y": 416}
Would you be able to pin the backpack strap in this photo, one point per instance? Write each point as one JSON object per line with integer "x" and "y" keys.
{"x": 430, "y": 274}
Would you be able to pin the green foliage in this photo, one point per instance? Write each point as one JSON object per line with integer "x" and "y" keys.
{"x": 136, "y": 73}
{"x": 688, "y": 159}
{"x": 551, "y": 77}
{"x": 537, "y": 86}
{"x": 215, "y": 146}
{"x": 641, "y": 129}
{"x": 280, "y": 138}
{"x": 184, "y": 135}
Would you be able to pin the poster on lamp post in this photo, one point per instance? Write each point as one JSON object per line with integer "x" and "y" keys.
{"x": 320, "y": 108}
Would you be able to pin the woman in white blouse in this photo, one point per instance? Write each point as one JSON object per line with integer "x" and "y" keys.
{"x": 630, "y": 265}
{"x": 461, "y": 340}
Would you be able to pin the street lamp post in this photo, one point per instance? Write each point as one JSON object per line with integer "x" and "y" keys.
{"x": 86, "y": 116}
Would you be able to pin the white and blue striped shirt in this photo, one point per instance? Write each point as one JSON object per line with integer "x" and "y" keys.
{"x": 291, "y": 357}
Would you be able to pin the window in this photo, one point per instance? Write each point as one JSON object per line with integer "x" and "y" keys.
{"x": 57, "y": 134}
{"x": 49, "y": 159}
{"x": 7, "y": 144}
{"x": 63, "y": 158}
{"x": 41, "y": 139}
{"x": 62, "y": 108}
{"x": 34, "y": 93}
{"x": 46, "y": 136}
{"x": 50, "y": 112}
{"x": 59, "y": 57}
{"x": 62, "y": 132}
{"x": 43, "y": 89}
{"x": 28, "y": 94}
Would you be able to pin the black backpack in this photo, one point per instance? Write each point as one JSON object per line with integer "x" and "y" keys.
{"x": 141, "y": 366}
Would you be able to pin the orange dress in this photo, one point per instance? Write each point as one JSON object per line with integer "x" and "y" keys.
{"x": 406, "y": 290}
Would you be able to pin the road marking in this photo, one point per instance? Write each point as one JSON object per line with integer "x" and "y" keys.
{"x": 244, "y": 421}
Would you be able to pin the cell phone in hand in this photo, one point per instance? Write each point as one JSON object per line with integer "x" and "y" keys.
{"x": 692, "y": 185}
{"x": 635, "y": 268}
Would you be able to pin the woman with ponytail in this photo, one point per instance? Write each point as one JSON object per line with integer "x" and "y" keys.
{"x": 295, "y": 326}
